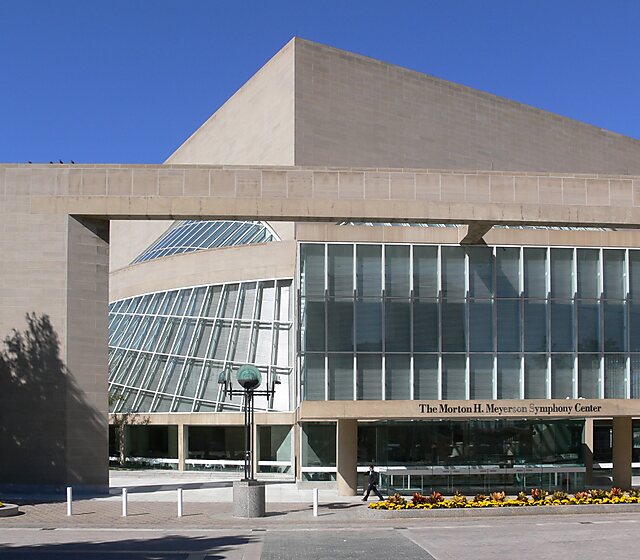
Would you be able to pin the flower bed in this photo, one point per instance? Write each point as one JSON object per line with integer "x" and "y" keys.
{"x": 498, "y": 499}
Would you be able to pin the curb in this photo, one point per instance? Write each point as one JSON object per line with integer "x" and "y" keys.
{"x": 9, "y": 510}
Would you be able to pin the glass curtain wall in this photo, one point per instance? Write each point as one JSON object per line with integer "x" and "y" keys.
{"x": 474, "y": 456}
{"x": 167, "y": 349}
{"x": 449, "y": 322}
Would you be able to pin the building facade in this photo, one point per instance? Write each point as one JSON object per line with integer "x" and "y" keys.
{"x": 454, "y": 357}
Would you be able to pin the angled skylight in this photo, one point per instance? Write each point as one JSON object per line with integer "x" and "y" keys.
{"x": 168, "y": 349}
{"x": 194, "y": 235}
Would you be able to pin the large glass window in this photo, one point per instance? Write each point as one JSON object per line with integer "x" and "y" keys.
{"x": 318, "y": 444}
{"x": 340, "y": 274}
{"x": 312, "y": 270}
{"x": 454, "y": 329}
{"x": 480, "y": 376}
{"x": 169, "y": 356}
{"x": 562, "y": 273}
{"x": 369, "y": 325}
{"x": 398, "y": 377}
{"x": 461, "y": 445}
{"x": 397, "y": 323}
{"x": 426, "y": 325}
{"x": 340, "y": 325}
{"x": 507, "y": 272}
{"x": 535, "y": 376}
{"x": 340, "y": 377}
{"x": 614, "y": 274}
{"x": 480, "y": 272}
{"x": 545, "y": 322}
{"x": 369, "y": 270}
{"x": 588, "y": 273}
{"x": 562, "y": 326}
{"x": 396, "y": 270}
{"x": 313, "y": 377}
{"x": 589, "y": 376}
{"x": 562, "y": 376}
{"x": 369, "y": 377}
{"x": 480, "y": 325}
{"x": 535, "y": 273}
{"x": 453, "y": 377}
{"x": 425, "y": 378}
{"x": 425, "y": 271}
{"x": 615, "y": 381}
{"x": 535, "y": 325}
{"x": 508, "y": 319}
{"x": 274, "y": 445}
{"x": 452, "y": 272}
{"x": 508, "y": 376}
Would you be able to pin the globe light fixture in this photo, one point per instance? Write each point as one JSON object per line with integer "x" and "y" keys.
{"x": 249, "y": 377}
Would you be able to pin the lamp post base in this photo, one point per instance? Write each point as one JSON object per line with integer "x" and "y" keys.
{"x": 248, "y": 498}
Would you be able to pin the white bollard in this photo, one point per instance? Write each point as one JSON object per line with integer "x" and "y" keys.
{"x": 124, "y": 502}
{"x": 69, "y": 500}
{"x": 179, "y": 502}
{"x": 315, "y": 502}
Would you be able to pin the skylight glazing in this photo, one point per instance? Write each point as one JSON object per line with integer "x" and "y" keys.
{"x": 424, "y": 225}
{"x": 167, "y": 349}
{"x": 195, "y": 235}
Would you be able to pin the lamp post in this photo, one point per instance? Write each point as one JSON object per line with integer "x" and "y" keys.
{"x": 249, "y": 378}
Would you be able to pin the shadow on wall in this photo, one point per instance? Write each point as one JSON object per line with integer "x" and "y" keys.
{"x": 38, "y": 400}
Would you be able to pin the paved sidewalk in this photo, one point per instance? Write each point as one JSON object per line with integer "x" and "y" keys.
{"x": 566, "y": 537}
{"x": 211, "y": 487}
{"x": 196, "y": 515}
{"x": 344, "y": 528}
{"x": 207, "y": 503}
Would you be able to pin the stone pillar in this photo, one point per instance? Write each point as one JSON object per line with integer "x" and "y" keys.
{"x": 183, "y": 446}
{"x": 347, "y": 457}
{"x": 622, "y": 447}
{"x": 172, "y": 442}
{"x": 297, "y": 457}
{"x": 587, "y": 450}
{"x": 256, "y": 449}
{"x": 248, "y": 498}
{"x": 56, "y": 269}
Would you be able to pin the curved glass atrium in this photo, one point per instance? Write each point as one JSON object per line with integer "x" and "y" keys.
{"x": 195, "y": 235}
{"x": 451, "y": 322}
{"x": 167, "y": 349}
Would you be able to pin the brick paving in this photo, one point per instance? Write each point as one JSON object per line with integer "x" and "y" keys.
{"x": 141, "y": 514}
{"x": 97, "y": 530}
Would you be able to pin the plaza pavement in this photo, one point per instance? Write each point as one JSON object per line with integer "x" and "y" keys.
{"x": 343, "y": 529}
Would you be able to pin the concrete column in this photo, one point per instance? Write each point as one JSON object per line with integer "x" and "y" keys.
{"x": 183, "y": 445}
{"x": 587, "y": 450}
{"x": 85, "y": 349}
{"x": 172, "y": 441}
{"x": 54, "y": 286}
{"x": 256, "y": 449}
{"x": 622, "y": 447}
{"x": 297, "y": 459}
{"x": 129, "y": 443}
{"x": 347, "y": 457}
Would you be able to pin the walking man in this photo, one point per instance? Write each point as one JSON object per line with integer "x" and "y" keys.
{"x": 373, "y": 484}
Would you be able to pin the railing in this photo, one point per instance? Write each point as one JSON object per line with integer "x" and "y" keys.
{"x": 152, "y": 462}
{"x": 484, "y": 478}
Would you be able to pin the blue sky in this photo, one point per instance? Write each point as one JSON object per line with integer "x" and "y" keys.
{"x": 128, "y": 80}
